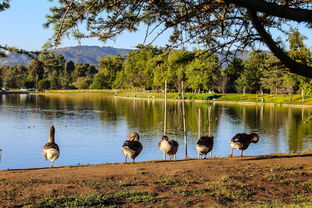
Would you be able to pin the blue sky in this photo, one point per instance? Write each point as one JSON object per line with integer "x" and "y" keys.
{"x": 21, "y": 26}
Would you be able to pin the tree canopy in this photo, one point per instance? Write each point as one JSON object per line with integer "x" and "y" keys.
{"x": 217, "y": 25}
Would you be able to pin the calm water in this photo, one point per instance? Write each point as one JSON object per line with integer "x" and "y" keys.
{"x": 91, "y": 128}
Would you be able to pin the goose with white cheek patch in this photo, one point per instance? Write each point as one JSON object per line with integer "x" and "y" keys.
{"x": 204, "y": 146}
{"x": 132, "y": 147}
{"x": 168, "y": 147}
{"x": 51, "y": 150}
{"x": 242, "y": 141}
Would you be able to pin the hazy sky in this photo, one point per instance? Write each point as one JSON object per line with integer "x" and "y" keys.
{"x": 21, "y": 26}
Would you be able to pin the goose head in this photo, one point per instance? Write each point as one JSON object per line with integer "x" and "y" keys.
{"x": 165, "y": 137}
{"x": 133, "y": 136}
{"x": 52, "y": 133}
{"x": 254, "y": 137}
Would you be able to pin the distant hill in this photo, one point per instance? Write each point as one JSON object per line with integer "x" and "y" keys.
{"x": 91, "y": 55}
{"x": 80, "y": 54}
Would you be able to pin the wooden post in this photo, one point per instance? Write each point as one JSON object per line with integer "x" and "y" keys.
{"x": 165, "y": 113}
{"x": 184, "y": 121}
{"x": 209, "y": 120}
{"x": 199, "y": 123}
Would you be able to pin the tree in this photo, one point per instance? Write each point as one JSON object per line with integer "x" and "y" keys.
{"x": 109, "y": 66}
{"x": 232, "y": 72}
{"x": 44, "y": 84}
{"x": 99, "y": 81}
{"x": 203, "y": 72}
{"x": 217, "y": 24}
{"x": 249, "y": 80}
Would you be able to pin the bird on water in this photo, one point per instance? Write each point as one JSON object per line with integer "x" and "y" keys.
{"x": 204, "y": 145}
{"x": 242, "y": 141}
{"x": 132, "y": 147}
{"x": 51, "y": 150}
{"x": 168, "y": 147}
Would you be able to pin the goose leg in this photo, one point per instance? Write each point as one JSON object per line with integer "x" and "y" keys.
{"x": 126, "y": 160}
{"x": 165, "y": 156}
{"x": 242, "y": 153}
{"x": 133, "y": 161}
{"x": 211, "y": 154}
{"x": 175, "y": 157}
{"x": 52, "y": 164}
{"x": 232, "y": 152}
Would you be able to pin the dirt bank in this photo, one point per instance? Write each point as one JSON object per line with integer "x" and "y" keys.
{"x": 281, "y": 180}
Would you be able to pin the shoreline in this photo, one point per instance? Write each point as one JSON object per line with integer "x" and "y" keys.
{"x": 110, "y": 92}
{"x": 279, "y": 180}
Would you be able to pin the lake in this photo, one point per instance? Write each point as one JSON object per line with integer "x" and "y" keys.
{"x": 91, "y": 128}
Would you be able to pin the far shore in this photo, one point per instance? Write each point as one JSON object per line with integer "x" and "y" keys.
{"x": 247, "y": 99}
{"x": 244, "y": 99}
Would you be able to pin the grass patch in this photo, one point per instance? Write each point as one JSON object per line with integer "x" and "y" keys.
{"x": 228, "y": 190}
{"x": 80, "y": 201}
{"x": 192, "y": 192}
{"x": 137, "y": 196}
{"x": 174, "y": 182}
{"x": 281, "y": 205}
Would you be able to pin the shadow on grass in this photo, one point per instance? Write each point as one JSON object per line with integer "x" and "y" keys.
{"x": 267, "y": 157}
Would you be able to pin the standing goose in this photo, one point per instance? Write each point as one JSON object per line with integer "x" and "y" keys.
{"x": 51, "y": 150}
{"x": 168, "y": 147}
{"x": 132, "y": 147}
{"x": 242, "y": 141}
{"x": 204, "y": 145}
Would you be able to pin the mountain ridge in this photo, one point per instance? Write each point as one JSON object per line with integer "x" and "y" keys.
{"x": 77, "y": 54}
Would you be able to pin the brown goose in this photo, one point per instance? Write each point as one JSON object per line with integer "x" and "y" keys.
{"x": 132, "y": 147}
{"x": 242, "y": 141}
{"x": 168, "y": 147}
{"x": 204, "y": 145}
{"x": 51, "y": 150}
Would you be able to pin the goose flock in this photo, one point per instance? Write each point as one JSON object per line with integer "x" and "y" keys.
{"x": 132, "y": 147}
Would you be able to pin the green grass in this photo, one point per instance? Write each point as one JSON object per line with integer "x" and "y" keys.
{"x": 137, "y": 196}
{"x": 191, "y": 192}
{"x": 228, "y": 190}
{"x": 282, "y": 205}
{"x": 80, "y": 201}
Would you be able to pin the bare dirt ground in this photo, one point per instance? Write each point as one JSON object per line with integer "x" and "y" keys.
{"x": 261, "y": 181}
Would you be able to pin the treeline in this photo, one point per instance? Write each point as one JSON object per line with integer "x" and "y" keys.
{"x": 149, "y": 67}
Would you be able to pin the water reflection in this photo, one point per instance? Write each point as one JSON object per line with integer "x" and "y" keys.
{"x": 90, "y": 128}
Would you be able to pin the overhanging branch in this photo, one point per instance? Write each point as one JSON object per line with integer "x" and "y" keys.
{"x": 296, "y": 14}
{"x": 293, "y": 66}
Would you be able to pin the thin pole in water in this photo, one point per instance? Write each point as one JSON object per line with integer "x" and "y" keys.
{"x": 199, "y": 123}
{"x": 184, "y": 120}
{"x": 165, "y": 113}
{"x": 209, "y": 120}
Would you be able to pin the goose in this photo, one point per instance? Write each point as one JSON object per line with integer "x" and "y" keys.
{"x": 132, "y": 147}
{"x": 241, "y": 141}
{"x": 168, "y": 147}
{"x": 204, "y": 145}
{"x": 51, "y": 150}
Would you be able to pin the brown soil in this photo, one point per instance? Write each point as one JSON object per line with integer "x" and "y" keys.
{"x": 216, "y": 182}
